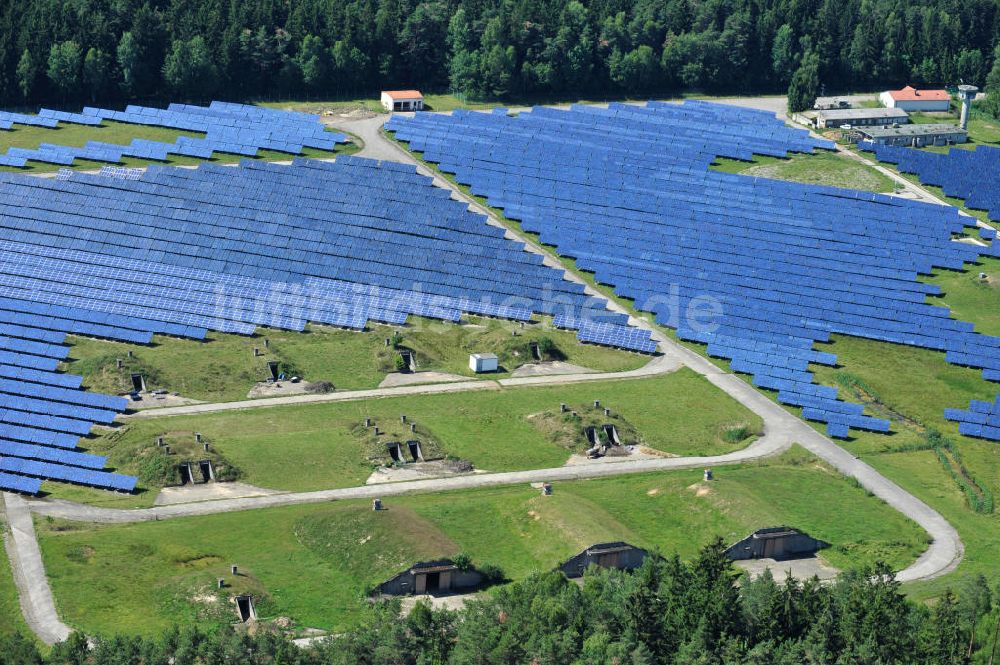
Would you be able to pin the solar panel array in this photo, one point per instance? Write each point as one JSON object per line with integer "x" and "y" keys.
{"x": 124, "y": 255}
{"x": 759, "y": 270}
{"x": 43, "y": 413}
{"x": 230, "y": 128}
{"x": 982, "y": 420}
{"x": 972, "y": 175}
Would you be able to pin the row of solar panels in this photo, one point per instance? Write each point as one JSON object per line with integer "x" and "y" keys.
{"x": 227, "y": 128}
{"x": 787, "y": 263}
{"x": 981, "y": 420}
{"x": 972, "y": 175}
{"x": 329, "y": 264}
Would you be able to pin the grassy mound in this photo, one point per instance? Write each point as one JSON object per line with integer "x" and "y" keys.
{"x": 155, "y": 468}
{"x": 369, "y": 548}
{"x": 823, "y": 168}
{"x": 314, "y": 446}
{"x": 569, "y": 429}
{"x": 375, "y": 445}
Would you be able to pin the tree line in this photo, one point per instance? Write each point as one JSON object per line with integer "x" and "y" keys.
{"x": 668, "y": 612}
{"x": 87, "y": 51}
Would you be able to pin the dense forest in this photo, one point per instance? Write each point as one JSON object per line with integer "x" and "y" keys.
{"x": 83, "y": 51}
{"x": 667, "y": 613}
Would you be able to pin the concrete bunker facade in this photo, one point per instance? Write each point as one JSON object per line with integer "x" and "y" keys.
{"x": 441, "y": 576}
{"x": 618, "y": 555}
{"x": 779, "y": 542}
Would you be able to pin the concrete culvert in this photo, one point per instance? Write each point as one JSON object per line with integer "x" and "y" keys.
{"x": 185, "y": 473}
{"x": 593, "y": 438}
{"x": 207, "y": 472}
{"x": 535, "y": 352}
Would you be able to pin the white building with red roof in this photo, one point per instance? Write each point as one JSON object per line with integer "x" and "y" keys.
{"x": 911, "y": 99}
{"x": 402, "y": 100}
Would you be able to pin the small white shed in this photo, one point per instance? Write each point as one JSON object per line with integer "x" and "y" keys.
{"x": 483, "y": 362}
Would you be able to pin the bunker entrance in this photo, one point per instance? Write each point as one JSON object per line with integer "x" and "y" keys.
{"x": 611, "y": 432}
{"x": 415, "y": 453}
{"x": 394, "y": 452}
{"x": 245, "y": 608}
{"x": 138, "y": 383}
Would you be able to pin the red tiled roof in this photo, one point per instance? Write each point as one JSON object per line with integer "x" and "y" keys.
{"x": 403, "y": 94}
{"x": 909, "y": 94}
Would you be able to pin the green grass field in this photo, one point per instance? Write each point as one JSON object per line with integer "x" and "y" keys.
{"x": 223, "y": 368}
{"x": 313, "y": 563}
{"x": 823, "y": 168}
{"x": 25, "y": 136}
{"x": 311, "y": 447}
{"x": 912, "y": 387}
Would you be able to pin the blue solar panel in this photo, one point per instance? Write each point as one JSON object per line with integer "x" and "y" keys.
{"x": 760, "y": 270}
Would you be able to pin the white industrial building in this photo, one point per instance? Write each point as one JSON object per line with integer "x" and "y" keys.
{"x": 402, "y": 100}
{"x": 911, "y": 99}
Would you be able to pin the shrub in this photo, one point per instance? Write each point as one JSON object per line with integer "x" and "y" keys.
{"x": 736, "y": 433}
{"x": 462, "y": 561}
{"x": 492, "y": 573}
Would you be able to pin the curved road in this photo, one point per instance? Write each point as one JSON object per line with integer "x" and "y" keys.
{"x": 781, "y": 429}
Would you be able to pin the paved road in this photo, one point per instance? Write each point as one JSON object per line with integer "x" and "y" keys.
{"x": 662, "y": 364}
{"x": 37, "y": 604}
